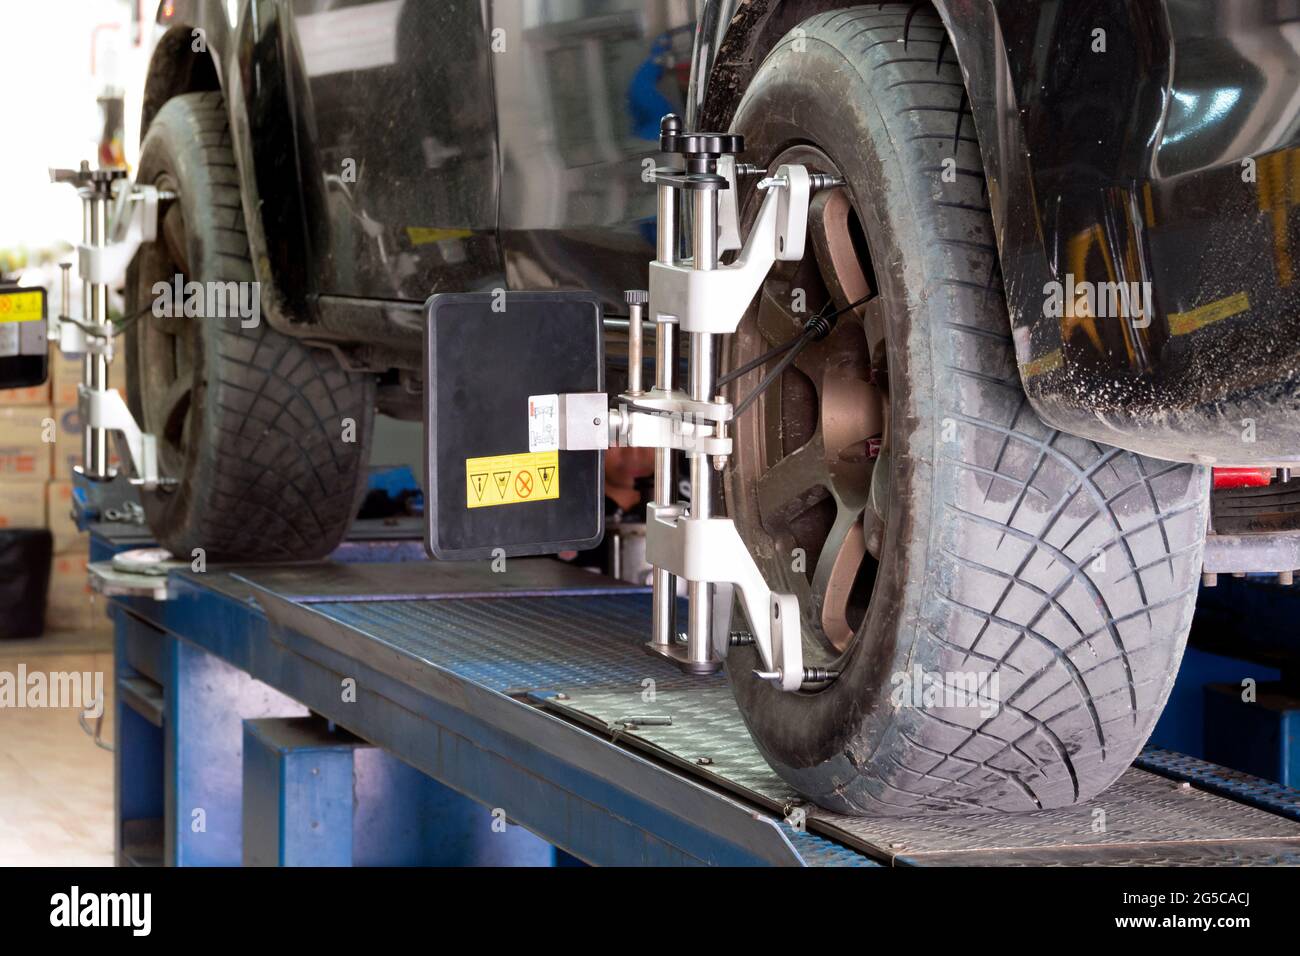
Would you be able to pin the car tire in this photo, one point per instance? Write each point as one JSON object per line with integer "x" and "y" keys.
{"x": 266, "y": 437}
{"x": 1063, "y": 571}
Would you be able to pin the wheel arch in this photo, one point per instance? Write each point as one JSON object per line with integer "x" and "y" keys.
{"x": 735, "y": 36}
{"x": 198, "y": 52}
{"x": 186, "y": 58}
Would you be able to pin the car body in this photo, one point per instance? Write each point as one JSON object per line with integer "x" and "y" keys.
{"x": 1128, "y": 145}
{"x": 378, "y": 169}
{"x": 1163, "y": 150}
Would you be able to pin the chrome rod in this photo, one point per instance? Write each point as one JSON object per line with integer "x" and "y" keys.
{"x": 666, "y": 241}
{"x": 663, "y": 583}
{"x": 636, "y": 300}
{"x": 704, "y": 249}
{"x": 95, "y": 365}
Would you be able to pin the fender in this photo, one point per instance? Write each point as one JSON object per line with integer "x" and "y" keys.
{"x": 1141, "y": 157}
{"x": 202, "y": 49}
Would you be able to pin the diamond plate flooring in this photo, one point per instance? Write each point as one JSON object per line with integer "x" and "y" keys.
{"x": 583, "y": 657}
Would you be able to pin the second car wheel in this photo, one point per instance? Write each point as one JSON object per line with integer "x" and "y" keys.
{"x": 1001, "y": 607}
{"x": 266, "y": 437}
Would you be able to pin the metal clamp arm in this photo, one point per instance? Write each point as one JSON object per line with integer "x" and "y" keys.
{"x": 715, "y": 300}
{"x": 711, "y": 550}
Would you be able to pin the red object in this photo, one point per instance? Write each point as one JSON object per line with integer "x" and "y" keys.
{"x": 1242, "y": 477}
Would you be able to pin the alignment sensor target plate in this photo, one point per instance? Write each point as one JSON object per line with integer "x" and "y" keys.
{"x": 489, "y": 494}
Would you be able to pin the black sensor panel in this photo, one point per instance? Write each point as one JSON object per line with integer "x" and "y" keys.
{"x": 485, "y": 354}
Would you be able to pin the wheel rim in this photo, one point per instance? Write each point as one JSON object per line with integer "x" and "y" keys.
{"x": 168, "y": 349}
{"x": 808, "y": 451}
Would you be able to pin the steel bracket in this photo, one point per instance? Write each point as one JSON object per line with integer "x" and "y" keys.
{"x": 711, "y": 550}
{"x": 107, "y": 410}
{"x": 134, "y": 222}
{"x": 715, "y": 300}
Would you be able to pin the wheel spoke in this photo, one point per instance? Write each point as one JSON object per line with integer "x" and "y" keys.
{"x": 776, "y": 321}
{"x": 836, "y": 570}
{"x": 793, "y": 485}
{"x": 173, "y": 408}
{"x": 173, "y": 232}
{"x": 832, "y": 244}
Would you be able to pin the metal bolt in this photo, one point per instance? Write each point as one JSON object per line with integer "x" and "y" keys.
{"x": 720, "y": 461}
{"x": 646, "y": 721}
{"x": 740, "y": 639}
{"x": 819, "y": 674}
{"x": 824, "y": 181}
{"x": 636, "y": 300}
{"x": 1285, "y": 578}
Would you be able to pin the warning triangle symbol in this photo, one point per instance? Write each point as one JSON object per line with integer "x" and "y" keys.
{"x": 501, "y": 478}
{"x": 480, "y": 482}
{"x": 546, "y": 473}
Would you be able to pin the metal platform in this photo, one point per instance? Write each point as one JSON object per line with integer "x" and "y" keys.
{"x": 521, "y": 691}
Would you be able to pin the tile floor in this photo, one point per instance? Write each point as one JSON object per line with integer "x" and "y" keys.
{"x": 56, "y": 786}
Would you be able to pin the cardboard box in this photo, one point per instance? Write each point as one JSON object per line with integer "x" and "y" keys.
{"x": 35, "y": 395}
{"x": 66, "y": 451}
{"x": 58, "y": 511}
{"x": 71, "y": 605}
{"x": 22, "y": 503}
{"x": 24, "y": 452}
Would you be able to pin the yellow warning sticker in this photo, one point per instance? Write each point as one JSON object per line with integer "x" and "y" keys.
{"x": 1043, "y": 364}
{"x": 512, "y": 479}
{"x": 1180, "y": 323}
{"x": 423, "y": 235}
{"x": 21, "y": 307}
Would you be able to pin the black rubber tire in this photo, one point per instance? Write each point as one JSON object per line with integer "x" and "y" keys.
{"x": 991, "y": 542}
{"x": 266, "y": 473}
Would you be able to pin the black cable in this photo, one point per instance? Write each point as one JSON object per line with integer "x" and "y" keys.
{"x": 97, "y": 331}
{"x": 772, "y": 376}
{"x": 762, "y": 360}
{"x": 814, "y": 330}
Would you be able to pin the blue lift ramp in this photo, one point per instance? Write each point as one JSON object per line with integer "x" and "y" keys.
{"x": 520, "y": 692}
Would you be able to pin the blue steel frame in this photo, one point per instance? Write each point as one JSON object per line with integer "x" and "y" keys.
{"x": 220, "y": 661}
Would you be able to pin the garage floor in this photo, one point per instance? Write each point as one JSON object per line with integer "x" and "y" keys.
{"x": 56, "y": 786}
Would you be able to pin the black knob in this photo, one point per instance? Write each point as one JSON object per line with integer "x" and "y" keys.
{"x": 696, "y": 145}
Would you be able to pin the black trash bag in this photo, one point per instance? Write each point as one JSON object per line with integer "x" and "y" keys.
{"x": 24, "y": 581}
